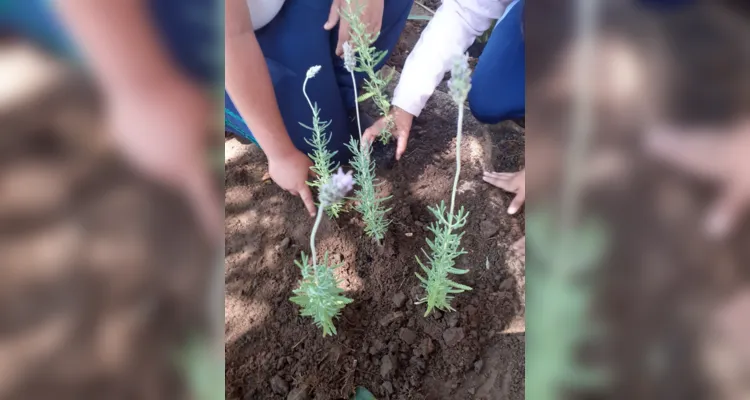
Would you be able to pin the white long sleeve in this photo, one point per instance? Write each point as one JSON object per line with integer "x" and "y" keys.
{"x": 453, "y": 28}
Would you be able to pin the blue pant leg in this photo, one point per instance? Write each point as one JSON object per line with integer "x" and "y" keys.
{"x": 395, "y": 14}
{"x": 190, "y": 29}
{"x": 498, "y": 90}
{"x": 35, "y": 19}
{"x": 293, "y": 42}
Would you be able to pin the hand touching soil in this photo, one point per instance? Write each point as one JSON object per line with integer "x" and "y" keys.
{"x": 402, "y": 125}
{"x": 290, "y": 173}
{"x": 721, "y": 155}
{"x": 163, "y": 134}
{"x": 514, "y": 182}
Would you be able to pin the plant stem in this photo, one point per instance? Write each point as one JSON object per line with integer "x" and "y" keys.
{"x": 459, "y": 132}
{"x": 314, "y": 232}
{"x": 304, "y": 91}
{"x": 582, "y": 125}
{"x": 356, "y": 106}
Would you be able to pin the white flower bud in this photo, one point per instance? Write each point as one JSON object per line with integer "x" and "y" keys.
{"x": 460, "y": 82}
{"x": 313, "y": 71}
{"x": 349, "y": 60}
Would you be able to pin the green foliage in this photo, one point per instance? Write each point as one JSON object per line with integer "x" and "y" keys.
{"x": 368, "y": 204}
{"x": 368, "y": 57}
{"x": 415, "y": 17}
{"x": 486, "y": 35}
{"x": 558, "y": 304}
{"x": 203, "y": 372}
{"x": 318, "y": 293}
{"x": 362, "y": 57}
{"x": 363, "y": 394}
{"x": 444, "y": 249}
{"x": 323, "y": 165}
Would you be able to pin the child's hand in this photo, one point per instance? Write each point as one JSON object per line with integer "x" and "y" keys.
{"x": 514, "y": 182}
{"x": 402, "y": 121}
{"x": 162, "y": 131}
{"x": 721, "y": 155}
{"x": 372, "y": 17}
{"x": 290, "y": 172}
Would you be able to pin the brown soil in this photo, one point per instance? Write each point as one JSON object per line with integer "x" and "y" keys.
{"x": 103, "y": 272}
{"x": 271, "y": 350}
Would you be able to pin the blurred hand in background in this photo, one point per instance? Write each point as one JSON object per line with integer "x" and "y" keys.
{"x": 159, "y": 118}
{"x": 721, "y": 155}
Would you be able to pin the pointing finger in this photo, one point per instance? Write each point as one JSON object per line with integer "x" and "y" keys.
{"x": 307, "y": 198}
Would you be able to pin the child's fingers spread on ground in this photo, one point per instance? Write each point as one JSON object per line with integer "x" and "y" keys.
{"x": 499, "y": 175}
{"x": 502, "y": 183}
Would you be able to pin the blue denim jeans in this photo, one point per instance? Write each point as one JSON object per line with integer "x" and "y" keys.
{"x": 498, "y": 89}
{"x": 295, "y": 41}
{"x": 191, "y": 30}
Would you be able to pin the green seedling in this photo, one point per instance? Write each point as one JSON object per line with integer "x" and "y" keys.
{"x": 368, "y": 204}
{"x": 445, "y": 248}
{"x": 319, "y": 294}
{"x": 323, "y": 165}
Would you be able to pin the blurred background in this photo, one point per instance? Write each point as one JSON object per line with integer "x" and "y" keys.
{"x": 638, "y": 174}
{"x": 110, "y": 183}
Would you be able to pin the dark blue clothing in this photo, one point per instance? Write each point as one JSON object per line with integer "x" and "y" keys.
{"x": 295, "y": 41}
{"x": 190, "y": 29}
{"x": 498, "y": 88}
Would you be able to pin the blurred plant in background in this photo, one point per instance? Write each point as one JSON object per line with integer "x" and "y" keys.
{"x": 561, "y": 300}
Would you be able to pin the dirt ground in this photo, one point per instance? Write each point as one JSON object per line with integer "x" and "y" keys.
{"x": 103, "y": 271}
{"x": 383, "y": 340}
{"x": 384, "y": 343}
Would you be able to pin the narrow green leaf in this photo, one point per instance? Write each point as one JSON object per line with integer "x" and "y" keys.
{"x": 414, "y": 17}
{"x": 365, "y": 96}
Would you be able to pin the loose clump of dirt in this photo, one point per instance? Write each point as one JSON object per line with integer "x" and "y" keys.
{"x": 384, "y": 342}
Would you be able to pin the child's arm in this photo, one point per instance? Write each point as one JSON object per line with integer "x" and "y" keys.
{"x": 453, "y": 28}
{"x": 249, "y": 84}
{"x": 120, "y": 43}
{"x": 158, "y": 118}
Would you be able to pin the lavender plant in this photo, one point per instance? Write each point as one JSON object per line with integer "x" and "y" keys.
{"x": 323, "y": 164}
{"x": 445, "y": 248}
{"x": 369, "y": 57}
{"x": 367, "y": 204}
{"x": 318, "y": 294}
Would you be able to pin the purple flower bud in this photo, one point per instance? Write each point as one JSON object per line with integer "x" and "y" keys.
{"x": 349, "y": 61}
{"x": 336, "y": 188}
